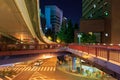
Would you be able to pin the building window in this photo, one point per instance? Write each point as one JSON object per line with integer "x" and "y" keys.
{"x": 94, "y": 5}
{"x": 91, "y": 15}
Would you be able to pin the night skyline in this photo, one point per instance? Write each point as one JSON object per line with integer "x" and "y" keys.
{"x": 71, "y": 10}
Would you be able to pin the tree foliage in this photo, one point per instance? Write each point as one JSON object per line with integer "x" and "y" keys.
{"x": 61, "y": 34}
{"x": 66, "y": 33}
{"x": 50, "y": 33}
{"x": 88, "y": 38}
{"x": 76, "y": 27}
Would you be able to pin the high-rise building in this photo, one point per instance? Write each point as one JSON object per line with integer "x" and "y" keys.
{"x": 64, "y": 21}
{"x": 95, "y": 9}
{"x": 53, "y": 17}
{"x": 43, "y": 21}
{"x": 102, "y": 18}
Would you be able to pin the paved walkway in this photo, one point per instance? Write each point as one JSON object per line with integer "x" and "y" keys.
{"x": 65, "y": 69}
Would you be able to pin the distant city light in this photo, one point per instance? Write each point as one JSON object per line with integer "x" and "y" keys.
{"x": 94, "y": 5}
{"x": 118, "y": 44}
{"x": 49, "y": 37}
{"x": 65, "y": 18}
{"x": 47, "y": 56}
{"x": 46, "y": 28}
{"x": 79, "y": 35}
{"x": 90, "y": 33}
{"x": 106, "y": 13}
{"x": 111, "y": 44}
{"x": 106, "y": 34}
{"x": 104, "y": 44}
{"x": 58, "y": 41}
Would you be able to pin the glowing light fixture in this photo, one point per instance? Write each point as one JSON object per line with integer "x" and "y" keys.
{"x": 104, "y": 44}
{"x": 94, "y": 5}
{"x": 106, "y": 34}
{"x": 106, "y": 13}
{"x": 90, "y": 33}
{"x": 49, "y": 37}
{"x": 58, "y": 40}
{"x": 118, "y": 44}
{"x": 111, "y": 44}
{"x": 79, "y": 37}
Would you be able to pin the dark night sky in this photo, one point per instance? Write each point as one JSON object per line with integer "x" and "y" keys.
{"x": 71, "y": 8}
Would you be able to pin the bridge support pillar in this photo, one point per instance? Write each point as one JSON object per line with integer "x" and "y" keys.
{"x": 74, "y": 64}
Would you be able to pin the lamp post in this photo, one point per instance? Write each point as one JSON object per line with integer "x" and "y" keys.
{"x": 79, "y": 36}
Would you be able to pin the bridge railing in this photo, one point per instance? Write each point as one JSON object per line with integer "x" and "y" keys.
{"x": 16, "y": 47}
{"x": 106, "y": 52}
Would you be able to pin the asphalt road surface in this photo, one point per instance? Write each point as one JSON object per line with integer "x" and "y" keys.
{"x": 47, "y": 71}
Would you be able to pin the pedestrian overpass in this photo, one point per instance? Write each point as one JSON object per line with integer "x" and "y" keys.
{"x": 106, "y": 58}
{"x": 20, "y": 18}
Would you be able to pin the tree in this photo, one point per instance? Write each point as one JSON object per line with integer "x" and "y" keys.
{"x": 66, "y": 33}
{"x": 49, "y": 32}
{"x": 88, "y": 38}
{"x": 70, "y": 32}
{"x": 62, "y": 33}
{"x": 76, "y": 27}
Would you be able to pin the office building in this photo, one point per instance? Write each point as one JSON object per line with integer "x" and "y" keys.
{"x": 102, "y": 18}
{"x": 53, "y": 17}
{"x": 43, "y": 21}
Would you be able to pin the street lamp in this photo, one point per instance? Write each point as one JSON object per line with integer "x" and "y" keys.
{"x": 49, "y": 37}
{"x": 79, "y": 36}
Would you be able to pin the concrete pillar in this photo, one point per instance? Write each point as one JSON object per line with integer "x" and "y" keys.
{"x": 74, "y": 64}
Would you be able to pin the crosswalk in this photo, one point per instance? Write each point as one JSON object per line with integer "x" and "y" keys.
{"x": 35, "y": 68}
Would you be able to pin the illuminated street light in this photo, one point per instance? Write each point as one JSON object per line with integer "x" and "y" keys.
{"x": 111, "y": 44}
{"x": 58, "y": 41}
{"x": 79, "y": 36}
{"x": 118, "y": 44}
{"x": 49, "y": 37}
{"x": 106, "y": 34}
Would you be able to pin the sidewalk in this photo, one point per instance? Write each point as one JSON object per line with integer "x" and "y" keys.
{"x": 64, "y": 68}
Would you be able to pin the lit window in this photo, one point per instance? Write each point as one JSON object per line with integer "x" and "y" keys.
{"x": 106, "y": 13}
{"x": 94, "y": 5}
{"x": 46, "y": 28}
{"x": 90, "y": 33}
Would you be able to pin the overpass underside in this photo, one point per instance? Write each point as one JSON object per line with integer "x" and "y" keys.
{"x": 20, "y": 19}
{"x": 26, "y": 55}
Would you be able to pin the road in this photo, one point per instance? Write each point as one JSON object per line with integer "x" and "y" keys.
{"x": 47, "y": 71}
{"x": 24, "y": 75}
{"x": 57, "y": 75}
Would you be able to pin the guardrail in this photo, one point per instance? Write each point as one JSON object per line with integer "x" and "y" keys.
{"x": 16, "y": 47}
{"x": 107, "y": 52}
